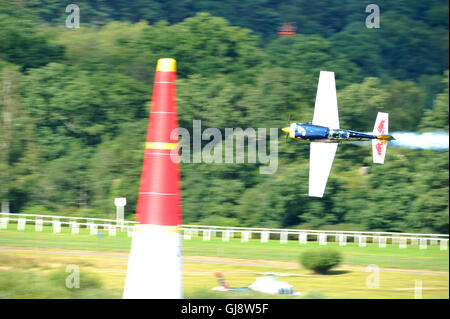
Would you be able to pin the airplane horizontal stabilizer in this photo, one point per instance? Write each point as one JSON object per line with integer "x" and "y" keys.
{"x": 379, "y": 151}
{"x": 381, "y": 130}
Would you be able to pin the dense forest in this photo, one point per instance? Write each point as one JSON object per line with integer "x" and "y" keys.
{"x": 74, "y": 106}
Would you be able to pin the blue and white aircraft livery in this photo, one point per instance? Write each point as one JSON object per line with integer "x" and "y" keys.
{"x": 324, "y": 134}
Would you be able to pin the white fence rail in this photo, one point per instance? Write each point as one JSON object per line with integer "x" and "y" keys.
{"x": 245, "y": 233}
{"x": 39, "y": 221}
{"x": 322, "y": 236}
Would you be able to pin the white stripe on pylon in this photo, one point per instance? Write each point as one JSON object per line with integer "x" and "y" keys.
{"x": 154, "y": 264}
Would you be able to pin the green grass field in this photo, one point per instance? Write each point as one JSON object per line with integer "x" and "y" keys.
{"x": 239, "y": 261}
{"x": 392, "y": 256}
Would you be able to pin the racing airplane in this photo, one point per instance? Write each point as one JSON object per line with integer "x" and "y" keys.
{"x": 324, "y": 134}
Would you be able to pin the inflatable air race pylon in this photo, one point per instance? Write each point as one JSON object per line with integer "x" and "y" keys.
{"x": 154, "y": 263}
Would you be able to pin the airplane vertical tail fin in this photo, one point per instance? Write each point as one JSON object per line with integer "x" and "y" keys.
{"x": 381, "y": 130}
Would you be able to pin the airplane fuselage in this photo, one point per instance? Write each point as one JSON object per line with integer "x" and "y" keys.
{"x": 316, "y": 133}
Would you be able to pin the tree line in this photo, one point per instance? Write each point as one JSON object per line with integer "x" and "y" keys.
{"x": 74, "y": 107}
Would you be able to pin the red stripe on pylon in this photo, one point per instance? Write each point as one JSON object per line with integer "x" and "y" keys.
{"x": 159, "y": 200}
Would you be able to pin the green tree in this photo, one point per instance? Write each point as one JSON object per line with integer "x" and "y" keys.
{"x": 203, "y": 45}
{"x": 312, "y": 54}
{"x": 114, "y": 170}
{"x": 360, "y": 102}
{"x": 22, "y": 42}
{"x": 106, "y": 48}
{"x": 405, "y": 105}
{"x": 9, "y": 111}
{"x": 324, "y": 18}
{"x": 361, "y": 46}
{"x": 67, "y": 104}
{"x": 437, "y": 117}
{"x": 410, "y": 48}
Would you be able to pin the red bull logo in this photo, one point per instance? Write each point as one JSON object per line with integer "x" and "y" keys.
{"x": 381, "y": 127}
{"x": 379, "y": 148}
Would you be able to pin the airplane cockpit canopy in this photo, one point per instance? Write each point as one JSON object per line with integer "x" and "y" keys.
{"x": 338, "y": 134}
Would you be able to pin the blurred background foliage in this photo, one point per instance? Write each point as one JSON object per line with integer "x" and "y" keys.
{"x": 74, "y": 106}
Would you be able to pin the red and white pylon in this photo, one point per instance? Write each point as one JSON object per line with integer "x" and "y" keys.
{"x": 154, "y": 264}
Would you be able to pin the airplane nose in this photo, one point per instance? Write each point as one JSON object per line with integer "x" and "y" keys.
{"x": 286, "y": 129}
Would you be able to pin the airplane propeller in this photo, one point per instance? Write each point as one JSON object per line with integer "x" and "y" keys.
{"x": 289, "y": 125}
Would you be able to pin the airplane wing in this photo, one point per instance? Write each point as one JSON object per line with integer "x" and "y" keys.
{"x": 320, "y": 161}
{"x": 326, "y": 108}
